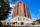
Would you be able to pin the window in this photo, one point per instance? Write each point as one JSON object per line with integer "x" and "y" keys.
{"x": 19, "y": 19}
{"x": 16, "y": 22}
{"x": 28, "y": 14}
{"x": 27, "y": 10}
{"x": 13, "y": 23}
{"x": 17, "y": 9}
{"x": 22, "y": 23}
{"x": 23, "y": 18}
{"x": 24, "y": 10}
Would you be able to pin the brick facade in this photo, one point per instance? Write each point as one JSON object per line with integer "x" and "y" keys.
{"x": 21, "y": 10}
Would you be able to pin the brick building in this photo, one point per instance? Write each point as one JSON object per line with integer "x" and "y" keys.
{"x": 21, "y": 15}
{"x": 21, "y": 10}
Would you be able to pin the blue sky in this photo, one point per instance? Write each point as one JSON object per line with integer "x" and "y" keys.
{"x": 34, "y": 6}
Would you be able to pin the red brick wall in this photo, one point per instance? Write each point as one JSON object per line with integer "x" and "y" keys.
{"x": 19, "y": 10}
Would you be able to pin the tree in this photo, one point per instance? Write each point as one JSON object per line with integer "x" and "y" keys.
{"x": 0, "y": 23}
{"x": 4, "y": 9}
{"x": 13, "y": 0}
{"x": 38, "y": 20}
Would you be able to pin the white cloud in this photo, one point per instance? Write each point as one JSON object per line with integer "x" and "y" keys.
{"x": 12, "y": 5}
{"x": 34, "y": 19}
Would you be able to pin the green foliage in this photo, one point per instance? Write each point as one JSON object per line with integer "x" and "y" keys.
{"x": 0, "y": 22}
{"x": 4, "y": 9}
{"x": 8, "y": 23}
{"x": 38, "y": 20}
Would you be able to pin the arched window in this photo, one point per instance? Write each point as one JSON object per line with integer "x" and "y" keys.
{"x": 22, "y": 23}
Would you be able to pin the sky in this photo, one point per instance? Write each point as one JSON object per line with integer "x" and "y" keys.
{"x": 34, "y": 6}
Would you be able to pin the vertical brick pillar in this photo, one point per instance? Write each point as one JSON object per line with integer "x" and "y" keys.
{"x": 16, "y": 10}
{"x": 19, "y": 9}
{"x": 26, "y": 11}
{"x": 22, "y": 9}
